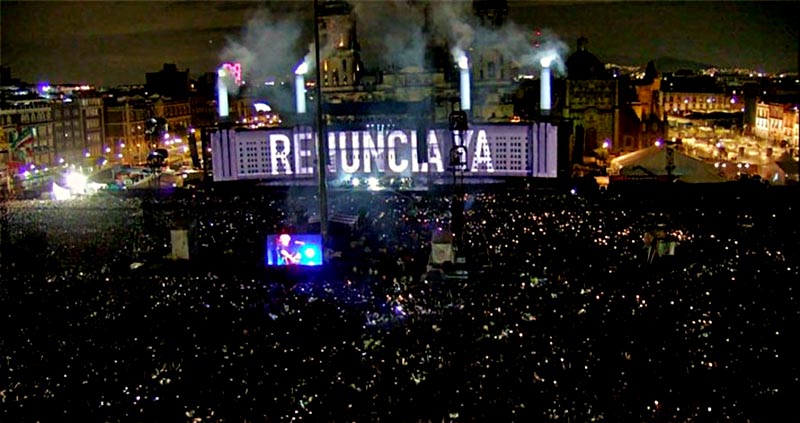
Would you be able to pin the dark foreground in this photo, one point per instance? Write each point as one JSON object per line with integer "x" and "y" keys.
{"x": 571, "y": 323}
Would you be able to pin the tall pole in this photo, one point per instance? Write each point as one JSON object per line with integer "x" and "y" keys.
{"x": 321, "y": 151}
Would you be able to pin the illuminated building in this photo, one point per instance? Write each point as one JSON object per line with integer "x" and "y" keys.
{"x": 27, "y": 116}
{"x": 429, "y": 89}
{"x": 341, "y": 55}
{"x": 125, "y": 125}
{"x": 685, "y": 95}
{"x": 60, "y": 122}
{"x": 592, "y": 109}
{"x": 683, "y": 103}
{"x": 642, "y": 122}
{"x": 776, "y": 122}
{"x": 126, "y": 140}
{"x": 177, "y": 113}
{"x": 78, "y": 128}
{"x": 791, "y": 126}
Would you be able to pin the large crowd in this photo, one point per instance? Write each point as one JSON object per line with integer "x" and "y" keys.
{"x": 565, "y": 314}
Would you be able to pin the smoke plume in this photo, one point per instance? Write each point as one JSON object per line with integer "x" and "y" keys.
{"x": 392, "y": 33}
{"x": 268, "y": 50}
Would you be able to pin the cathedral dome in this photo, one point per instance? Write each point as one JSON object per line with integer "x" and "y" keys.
{"x": 584, "y": 65}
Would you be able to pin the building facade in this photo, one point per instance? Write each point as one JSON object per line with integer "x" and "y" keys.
{"x": 791, "y": 128}
{"x": 777, "y": 124}
{"x": 592, "y": 102}
{"x": 176, "y": 112}
{"x": 79, "y": 130}
{"x": 341, "y": 55}
{"x": 769, "y": 121}
{"x": 32, "y": 120}
{"x": 125, "y": 128}
{"x": 684, "y": 103}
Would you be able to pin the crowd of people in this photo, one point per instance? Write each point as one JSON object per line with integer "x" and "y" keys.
{"x": 568, "y": 312}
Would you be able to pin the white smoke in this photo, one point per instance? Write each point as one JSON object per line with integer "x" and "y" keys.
{"x": 267, "y": 48}
{"x": 391, "y": 32}
{"x": 517, "y": 44}
{"x": 552, "y": 48}
{"x": 458, "y": 22}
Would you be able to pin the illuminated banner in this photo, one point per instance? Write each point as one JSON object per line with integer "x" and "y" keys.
{"x": 491, "y": 150}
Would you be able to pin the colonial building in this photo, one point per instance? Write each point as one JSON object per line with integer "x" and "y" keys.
{"x": 592, "y": 102}
{"x": 341, "y": 54}
{"x": 353, "y": 96}
{"x": 493, "y": 85}
{"x": 176, "y": 112}
{"x": 642, "y": 118}
{"x": 493, "y": 72}
{"x": 125, "y": 127}
{"x": 28, "y": 124}
{"x": 686, "y": 94}
{"x": 791, "y": 128}
{"x": 611, "y": 114}
{"x": 78, "y": 129}
{"x": 777, "y": 124}
{"x": 417, "y": 93}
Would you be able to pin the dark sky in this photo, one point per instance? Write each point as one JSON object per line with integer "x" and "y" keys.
{"x": 108, "y": 43}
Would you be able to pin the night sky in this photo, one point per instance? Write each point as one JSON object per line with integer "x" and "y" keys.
{"x": 109, "y": 43}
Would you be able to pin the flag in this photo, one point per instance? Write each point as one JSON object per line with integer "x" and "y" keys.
{"x": 24, "y": 139}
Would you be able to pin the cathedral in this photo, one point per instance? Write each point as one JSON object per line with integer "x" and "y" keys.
{"x": 610, "y": 114}
{"x": 606, "y": 114}
{"x": 426, "y": 93}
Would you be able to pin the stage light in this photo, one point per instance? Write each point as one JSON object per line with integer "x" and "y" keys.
{"x": 76, "y": 181}
{"x": 302, "y": 68}
{"x": 464, "y": 78}
{"x": 544, "y": 83}
{"x": 222, "y": 94}
{"x": 300, "y": 86}
{"x": 373, "y": 183}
